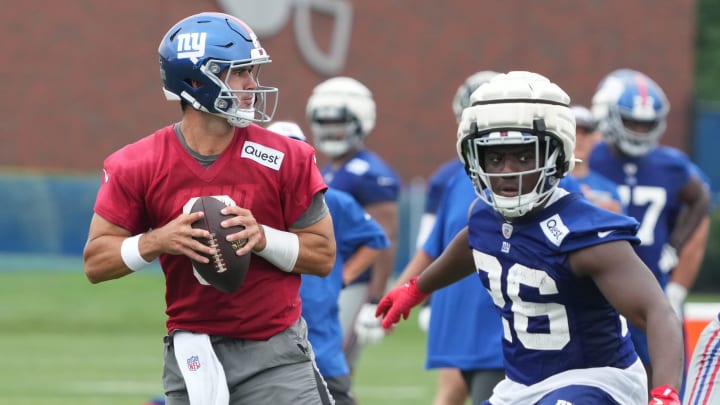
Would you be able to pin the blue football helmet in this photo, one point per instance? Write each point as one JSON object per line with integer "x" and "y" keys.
{"x": 198, "y": 50}
{"x": 626, "y": 96}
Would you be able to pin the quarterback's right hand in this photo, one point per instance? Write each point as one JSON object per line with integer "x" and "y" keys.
{"x": 398, "y": 302}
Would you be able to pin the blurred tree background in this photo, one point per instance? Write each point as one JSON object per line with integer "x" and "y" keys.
{"x": 707, "y": 65}
{"x": 707, "y": 91}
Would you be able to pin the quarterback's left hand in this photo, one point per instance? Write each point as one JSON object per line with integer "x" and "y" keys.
{"x": 367, "y": 326}
{"x": 664, "y": 395}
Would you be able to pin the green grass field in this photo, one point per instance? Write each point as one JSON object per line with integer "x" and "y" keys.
{"x": 68, "y": 342}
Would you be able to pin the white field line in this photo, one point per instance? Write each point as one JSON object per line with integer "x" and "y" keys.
{"x": 701, "y": 310}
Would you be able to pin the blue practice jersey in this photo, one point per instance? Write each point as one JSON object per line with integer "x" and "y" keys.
{"x": 438, "y": 183}
{"x": 368, "y": 179}
{"x": 648, "y": 188}
{"x": 465, "y": 329}
{"x": 570, "y": 184}
{"x": 353, "y": 228}
{"x": 554, "y": 320}
{"x": 601, "y": 186}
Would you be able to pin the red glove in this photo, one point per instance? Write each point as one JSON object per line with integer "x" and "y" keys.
{"x": 399, "y": 301}
{"x": 664, "y": 395}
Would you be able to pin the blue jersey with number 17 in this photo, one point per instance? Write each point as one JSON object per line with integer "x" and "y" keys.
{"x": 649, "y": 187}
{"x": 553, "y": 320}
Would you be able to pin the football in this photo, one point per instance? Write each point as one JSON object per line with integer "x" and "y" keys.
{"x": 226, "y": 270}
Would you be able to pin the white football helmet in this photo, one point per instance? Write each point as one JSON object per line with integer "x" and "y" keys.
{"x": 629, "y": 95}
{"x": 289, "y": 129}
{"x": 341, "y": 111}
{"x": 518, "y": 108}
{"x": 461, "y": 100}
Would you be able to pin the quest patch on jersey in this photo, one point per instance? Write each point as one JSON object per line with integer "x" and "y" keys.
{"x": 268, "y": 157}
{"x": 554, "y": 229}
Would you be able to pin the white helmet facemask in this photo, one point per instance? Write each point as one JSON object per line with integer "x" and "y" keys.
{"x": 632, "y": 143}
{"x": 520, "y": 205}
{"x": 336, "y": 139}
{"x": 228, "y": 103}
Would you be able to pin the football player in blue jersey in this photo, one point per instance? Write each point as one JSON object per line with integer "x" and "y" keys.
{"x": 341, "y": 112}
{"x": 561, "y": 271}
{"x": 657, "y": 184}
{"x": 463, "y": 369}
{"x": 464, "y": 334}
{"x": 464, "y": 331}
{"x": 600, "y": 190}
{"x": 437, "y": 184}
{"x": 359, "y": 241}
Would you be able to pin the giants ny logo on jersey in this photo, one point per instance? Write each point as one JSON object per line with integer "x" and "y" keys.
{"x": 554, "y": 229}
{"x": 191, "y": 45}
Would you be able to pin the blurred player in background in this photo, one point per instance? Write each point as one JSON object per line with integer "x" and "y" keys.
{"x": 359, "y": 241}
{"x": 560, "y": 270}
{"x": 657, "y": 184}
{"x": 437, "y": 184}
{"x": 704, "y": 355}
{"x": 464, "y": 331}
{"x": 251, "y": 346}
{"x": 691, "y": 256}
{"x": 596, "y": 187}
{"x": 341, "y": 113}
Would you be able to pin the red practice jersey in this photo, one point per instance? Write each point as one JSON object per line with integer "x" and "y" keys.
{"x": 147, "y": 183}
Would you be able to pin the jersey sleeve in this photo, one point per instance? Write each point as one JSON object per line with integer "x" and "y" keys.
{"x": 438, "y": 184}
{"x": 301, "y": 180}
{"x": 120, "y": 199}
{"x": 375, "y": 188}
{"x": 570, "y": 184}
{"x": 594, "y": 226}
{"x": 353, "y": 226}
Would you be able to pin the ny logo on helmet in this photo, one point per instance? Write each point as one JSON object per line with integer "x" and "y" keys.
{"x": 191, "y": 45}
{"x": 644, "y": 107}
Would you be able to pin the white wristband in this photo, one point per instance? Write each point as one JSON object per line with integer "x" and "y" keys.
{"x": 281, "y": 248}
{"x": 130, "y": 253}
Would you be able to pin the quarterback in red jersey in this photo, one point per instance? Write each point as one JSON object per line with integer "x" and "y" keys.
{"x": 250, "y": 346}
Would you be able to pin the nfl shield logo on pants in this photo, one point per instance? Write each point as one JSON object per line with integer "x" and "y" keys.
{"x": 193, "y": 363}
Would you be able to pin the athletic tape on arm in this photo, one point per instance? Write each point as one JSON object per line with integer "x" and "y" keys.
{"x": 281, "y": 248}
{"x": 130, "y": 253}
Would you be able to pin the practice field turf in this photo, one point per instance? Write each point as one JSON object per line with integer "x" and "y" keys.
{"x": 65, "y": 341}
